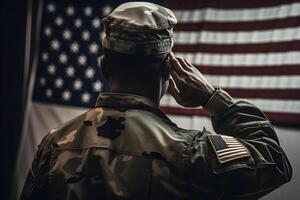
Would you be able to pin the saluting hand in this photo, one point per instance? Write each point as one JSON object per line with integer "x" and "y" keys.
{"x": 187, "y": 84}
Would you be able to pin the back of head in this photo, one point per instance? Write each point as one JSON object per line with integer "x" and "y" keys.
{"x": 139, "y": 35}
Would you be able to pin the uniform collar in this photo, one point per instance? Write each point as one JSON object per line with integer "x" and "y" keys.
{"x": 122, "y": 102}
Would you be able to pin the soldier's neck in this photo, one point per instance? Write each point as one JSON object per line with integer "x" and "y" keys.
{"x": 151, "y": 92}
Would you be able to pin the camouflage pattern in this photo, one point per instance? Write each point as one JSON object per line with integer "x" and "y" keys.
{"x": 126, "y": 148}
{"x": 139, "y": 28}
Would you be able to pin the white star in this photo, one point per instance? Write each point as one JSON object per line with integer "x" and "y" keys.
{"x": 85, "y": 35}
{"x": 51, "y": 7}
{"x": 106, "y": 10}
{"x": 89, "y": 73}
{"x": 99, "y": 61}
{"x": 96, "y": 23}
{"x": 66, "y": 95}
{"x": 59, "y": 82}
{"x": 78, "y": 23}
{"x": 85, "y": 97}
{"x": 93, "y": 48}
{"x": 49, "y": 93}
{"x": 42, "y": 81}
{"x": 48, "y": 31}
{"x": 70, "y": 10}
{"x": 97, "y": 86}
{"x": 63, "y": 58}
{"x": 59, "y": 21}
{"x": 77, "y": 84}
{"x": 67, "y": 34}
{"x": 74, "y": 47}
{"x": 45, "y": 56}
{"x": 55, "y": 44}
{"x": 82, "y": 59}
{"x": 70, "y": 71}
{"x": 88, "y": 11}
{"x": 51, "y": 69}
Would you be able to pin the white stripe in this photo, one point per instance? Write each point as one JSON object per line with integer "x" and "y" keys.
{"x": 221, "y": 155}
{"x": 246, "y": 59}
{"x": 234, "y": 145}
{"x": 237, "y": 37}
{"x": 269, "y": 105}
{"x": 256, "y": 82}
{"x": 234, "y": 154}
{"x": 227, "y": 149}
{"x": 238, "y": 15}
{"x": 229, "y": 139}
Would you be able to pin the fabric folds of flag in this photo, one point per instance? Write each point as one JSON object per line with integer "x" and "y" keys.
{"x": 250, "y": 49}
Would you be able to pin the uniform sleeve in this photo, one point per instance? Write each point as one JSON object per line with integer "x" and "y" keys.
{"x": 35, "y": 186}
{"x": 243, "y": 159}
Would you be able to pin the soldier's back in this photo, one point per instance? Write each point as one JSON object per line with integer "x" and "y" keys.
{"x": 119, "y": 152}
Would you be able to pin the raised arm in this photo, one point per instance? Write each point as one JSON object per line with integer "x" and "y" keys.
{"x": 243, "y": 159}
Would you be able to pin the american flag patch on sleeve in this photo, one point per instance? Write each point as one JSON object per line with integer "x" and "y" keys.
{"x": 227, "y": 148}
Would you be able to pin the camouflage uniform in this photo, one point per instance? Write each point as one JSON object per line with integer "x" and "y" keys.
{"x": 126, "y": 148}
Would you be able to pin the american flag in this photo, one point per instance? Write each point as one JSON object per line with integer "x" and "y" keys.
{"x": 250, "y": 48}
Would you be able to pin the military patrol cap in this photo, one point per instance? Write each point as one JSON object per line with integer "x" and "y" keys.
{"x": 139, "y": 28}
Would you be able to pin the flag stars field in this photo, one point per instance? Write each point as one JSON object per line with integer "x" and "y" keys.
{"x": 69, "y": 48}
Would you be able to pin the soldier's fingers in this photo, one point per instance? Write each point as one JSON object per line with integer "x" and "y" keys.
{"x": 175, "y": 64}
{"x": 184, "y": 64}
{"x": 176, "y": 77}
{"x": 173, "y": 90}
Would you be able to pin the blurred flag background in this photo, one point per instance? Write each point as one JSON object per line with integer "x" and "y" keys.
{"x": 250, "y": 48}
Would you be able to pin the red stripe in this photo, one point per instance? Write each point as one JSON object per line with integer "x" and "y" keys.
{"x": 289, "y": 118}
{"x": 250, "y": 70}
{"x": 228, "y": 4}
{"x": 239, "y": 48}
{"x": 265, "y": 93}
{"x": 239, "y": 26}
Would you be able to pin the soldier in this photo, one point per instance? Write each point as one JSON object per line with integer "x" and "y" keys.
{"x": 126, "y": 148}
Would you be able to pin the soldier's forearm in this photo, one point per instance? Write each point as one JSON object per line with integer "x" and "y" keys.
{"x": 239, "y": 119}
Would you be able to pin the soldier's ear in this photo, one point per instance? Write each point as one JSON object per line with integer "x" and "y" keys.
{"x": 104, "y": 67}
